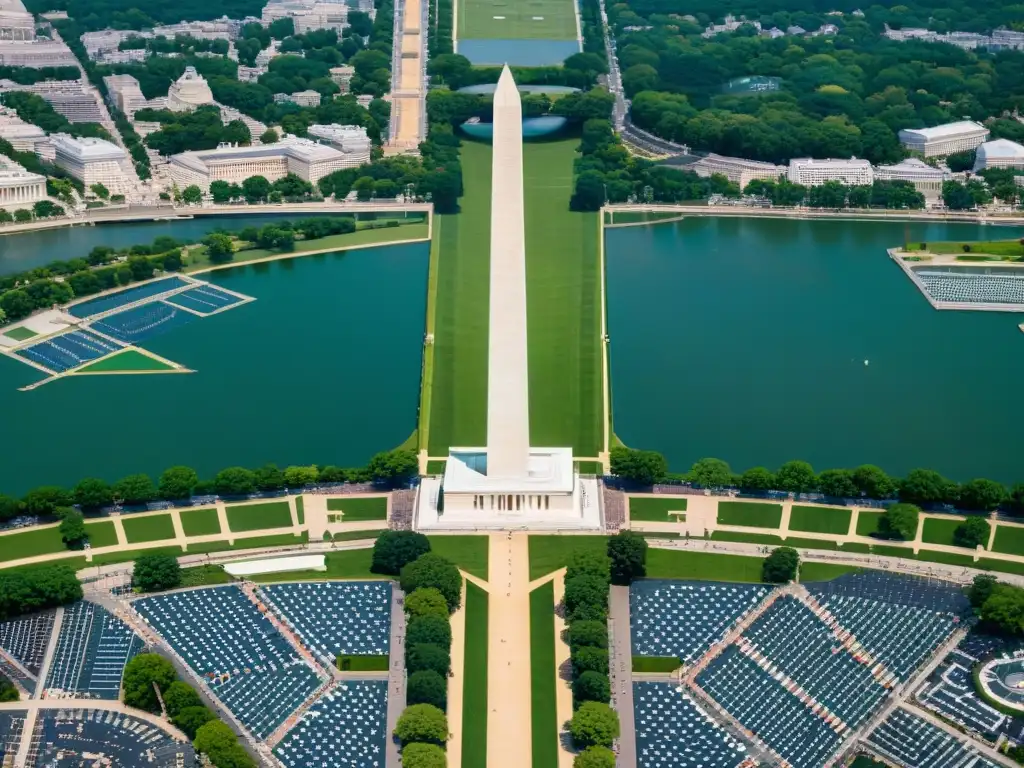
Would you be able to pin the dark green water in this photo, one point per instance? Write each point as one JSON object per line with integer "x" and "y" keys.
{"x": 745, "y": 339}
{"x": 323, "y": 368}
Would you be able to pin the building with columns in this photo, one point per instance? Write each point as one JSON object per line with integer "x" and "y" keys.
{"x": 19, "y": 188}
{"x": 351, "y": 140}
{"x": 16, "y": 23}
{"x": 91, "y": 161}
{"x": 811, "y": 172}
{"x": 942, "y": 140}
{"x": 926, "y": 179}
{"x": 736, "y": 169}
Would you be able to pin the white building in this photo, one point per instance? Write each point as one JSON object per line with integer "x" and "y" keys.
{"x": 308, "y": 15}
{"x": 947, "y": 139}
{"x": 926, "y": 179}
{"x": 91, "y": 161}
{"x": 811, "y": 172}
{"x": 189, "y": 92}
{"x": 16, "y": 23}
{"x": 1001, "y": 153}
{"x": 78, "y": 102}
{"x": 18, "y": 187}
{"x": 736, "y": 169}
{"x": 731, "y": 25}
{"x": 350, "y": 140}
{"x": 36, "y": 53}
{"x": 24, "y": 137}
{"x": 342, "y": 76}
{"x": 302, "y": 98}
{"x": 124, "y": 94}
{"x": 249, "y": 74}
{"x": 306, "y": 159}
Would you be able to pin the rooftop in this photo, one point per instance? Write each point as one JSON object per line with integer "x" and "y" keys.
{"x": 946, "y": 130}
{"x": 549, "y": 470}
{"x": 1001, "y": 148}
{"x": 290, "y": 146}
{"x": 87, "y": 148}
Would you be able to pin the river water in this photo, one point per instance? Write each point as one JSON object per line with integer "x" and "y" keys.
{"x": 763, "y": 340}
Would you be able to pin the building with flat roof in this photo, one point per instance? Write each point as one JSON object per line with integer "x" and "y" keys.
{"x": 302, "y": 98}
{"x": 24, "y": 137}
{"x": 342, "y": 76}
{"x": 78, "y": 102}
{"x": 811, "y": 172}
{"x": 189, "y": 92}
{"x": 736, "y": 169}
{"x": 306, "y": 159}
{"x": 36, "y": 53}
{"x": 124, "y": 94}
{"x": 350, "y": 140}
{"x": 19, "y": 188}
{"x": 308, "y": 15}
{"x": 947, "y": 139}
{"x": 91, "y": 161}
{"x": 1001, "y": 153}
{"x": 926, "y": 179}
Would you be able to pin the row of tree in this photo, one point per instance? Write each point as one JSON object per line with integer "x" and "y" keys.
{"x": 221, "y": 247}
{"x": 201, "y": 129}
{"x": 27, "y": 590}
{"x": 923, "y": 487}
{"x": 894, "y": 195}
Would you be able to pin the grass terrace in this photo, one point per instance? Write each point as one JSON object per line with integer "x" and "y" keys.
{"x": 101, "y": 534}
{"x": 868, "y": 523}
{"x": 345, "y": 564}
{"x": 358, "y": 510}
{"x": 681, "y": 564}
{"x": 249, "y": 542}
{"x": 41, "y": 541}
{"x": 655, "y": 664}
{"x": 470, "y": 553}
{"x": 1011, "y": 250}
{"x": 655, "y": 509}
{"x": 200, "y": 522}
{"x": 127, "y": 361}
{"x": 939, "y": 531}
{"x": 128, "y": 555}
{"x": 20, "y": 333}
{"x": 204, "y": 576}
{"x": 1009, "y": 539}
{"x": 474, "y": 691}
{"x": 754, "y": 514}
{"x": 820, "y": 519}
{"x": 544, "y": 714}
{"x": 549, "y": 553}
{"x": 300, "y": 509}
{"x": 138, "y": 530}
{"x": 349, "y": 663}
{"x": 824, "y": 571}
{"x": 256, "y": 517}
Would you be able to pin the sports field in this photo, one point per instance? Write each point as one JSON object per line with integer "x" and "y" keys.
{"x": 517, "y": 19}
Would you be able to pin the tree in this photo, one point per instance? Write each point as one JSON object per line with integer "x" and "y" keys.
{"x": 22, "y": 215}
{"x": 218, "y": 742}
{"x": 191, "y": 719}
{"x": 72, "y": 528}
{"x": 154, "y": 572}
{"x": 92, "y": 493}
{"x": 300, "y": 477}
{"x": 220, "y": 248}
{"x": 780, "y": 566}
{"x": 710, "y": 473}
{"x": 135, "y": 489}
{"x": 422, "y": 723}
{"x": 427, "y": 657}
{"x": 982, "y": 495}
{"x": 432, "y": 570}
{"x": 972, "y": 532}
{"x": 431, "y": 630}
{"x": 45, "y": 499}
{"x": 899, "y": 522}
{"x": 9, "y": 507}
{"x": 255, "y": 189}
{"x": 424, "y": 756}
{"x": 591, "y": 686}
{"x": 393, "y": 466}
{"x": 8, "y": 692}
{"x": 796, "y": 476}
{"x": 427, "y": 687}
{"x": 1015, "y": 500}
{"x": 16, "y": 304}
{"x": 426, "y": 601}
{"x": 594, "y": 724}
{"x": 269, "y": 136}
{"x": 586, "y": 597}
{"x": 923, "y": 486}
{"x": 837, "y": 483}
{"x": 269, "y": 478}
{"x": 1003, "y": 611}
{"x": 589, "y": 659}
{"x": 594, "y": 757}
{"x": 873, "y": 482}
{"x": 100, "y": 191}
{"x": 628, "y": 553}
{"x": 235, "y": 481}
{"x": 139, "y": 676}
{"x": 180, "y": 695}
{"x": 44, "y": 209}
{"x": 177, "y": 483}
{"x": 981, "y": 589}
{"x": 191, "y": 195}
{"x": 589, "y": 563}
{"x": 584, "y": 634}
{"x": 643, "y": 467}
{"x": 756, "y": 479}
{"x": 394, "y": 549}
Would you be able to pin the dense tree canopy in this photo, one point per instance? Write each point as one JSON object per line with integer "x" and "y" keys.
{"x": 900, "y": 522}
{"x": 628, "y": 554}
{"x": 393, "y": 550}
{"x": 644, "y": 467}
{"x": 781, "y": 565}
{"x": 154, "y": 572}
{"x": 432, "y": 570}
{"x": 422, "y": 723}
{"x": 594, "y": 724}
{"x": 140, "y": 675}
{"x": 28, "y": 590}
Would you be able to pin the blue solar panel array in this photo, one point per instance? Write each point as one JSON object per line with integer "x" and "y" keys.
{"x": 248, "y": 664}
{"x": 952, "y": 695}
{"x": 25, "y": 639}
{"x": 92, "y": 650}
{"x": 332, "y": 618}
{"x": 11, "y": 725}
{"x": 69, "y": 350}
{"x": 673, "y": 730}
{"x": 684, "y": 618}
{"x": 348, "y": 726}
{"x": 127, "y": 296}
{"x": 768, "y": 710}
{"x": 204, "y": 299}
{"x": 68, "y": 734}
{"x": 913, "y": 742}
{"x": 897, "y": 589}
{"x": 143, "y": 322}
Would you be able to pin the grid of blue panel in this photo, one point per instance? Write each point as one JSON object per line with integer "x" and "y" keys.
{"x": 804, "y": 648}
{"x": 244, "y": 659}
{"x": 347, "y": 726}
{"x": 69, "y": 350}
{"x": 897, "y": 589}
{"x": 913, "y": 742}
{"x": 332, "y": 618}
{"x": 684, "y": 618}
{"x": 67, "y": 735}
{"x": 674, "y": 730}
{"x": 952, "y": 695}
{"x": 127, "y": 296}
{"x": 11, "y": 725}
{"x": 768, "y": 710}
{"x": 143, "y": 322}
{"x": 25, "y": 639}
{"x": 204, "y": 299}
{"x": 92, "y": 650}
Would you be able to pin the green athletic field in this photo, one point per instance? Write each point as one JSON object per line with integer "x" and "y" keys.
{"x": 521, "y": 19}
{"x": 152, "y": 528}
{"x": 255, "y": 517}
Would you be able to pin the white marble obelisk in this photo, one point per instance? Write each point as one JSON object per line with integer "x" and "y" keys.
{"x": 508, "y": 410}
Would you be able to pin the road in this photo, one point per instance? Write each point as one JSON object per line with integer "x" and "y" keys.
{"x": 620, "y": 667}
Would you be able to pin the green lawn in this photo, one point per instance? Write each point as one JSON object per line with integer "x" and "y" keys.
{"x": 939, "y": 531}
{"x": 129, "y": 360}
{"x": 43, "y": 541}
{"x": 1009, "y": 540}
{"x": 751, "y": 513}
{"x": 991, "y": 564}
{"x": 868, "y": 522}
{"x": 504, "y": 20}
{"x": 1011, "y": 248}
{"x": 131, "y": 554}
{"x": 250, "y": 542}
{"x": 255, "y": 517}
{"x": 474, "y": 677}
{"x": 346, "y": 564}
{"x": 656, "y": 509}
{"x": 363, "y": 663}
{"x": 824, "y": 571}
{"x": 358, "y": 510}
{"x": 204, "y": 576}
{"x": 820, "y": 519}
{"x": 470, "y": 552}
{"x": 436, "y": 467}
{"x": 549, "y": 553}
{"x": 796, "y": 541}
{"x": 152, "y": 528}
{"x": 20, "y": 333}
{"x": 356, "y": 535}
{"x": 747, "y": 538}
{"x": 544, "y": 715}
{"x": 681, "y": 564}
{"x": 200, "y": 522}
{"x": 300, "y": 508}
{"x": 101, "y": 534}
{"x": 655, "y": 663}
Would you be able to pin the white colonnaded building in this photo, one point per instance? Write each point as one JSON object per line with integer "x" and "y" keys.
{"x": 19, "y": 188}
{"x": 508, "y": 484}
{"x": 234, "y": 164}
{"x": 947, "y": 139}
{"x": 926, "y": 179}
{"x": 811, "y": 172}
{"x": 1001, "y": 153}
{"x": 736, "y": 169}
{"x": 91, "y": 161}
{"x": 350, "y": 140}
{"x": 189, "y": 92}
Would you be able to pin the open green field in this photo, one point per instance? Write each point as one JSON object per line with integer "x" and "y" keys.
{"x": 204, "y": 576}
{"x": 200, "y": 522}
{"x": 868, "y": 522}
{"x": 681, "y": 564}
{"x": 101, "y": 534}
{"x": 824, "y": 571}
{"x": 820, "y": 519}
{"x": 363, "y": 663}
{"x": 300, "y": 508}
{"x": 44, "y": 541}
{"x": 130, "y": 360}
{"x": 357, "y": 510}
{"x": 20, "y": 334}
{"x": 747, "y": 538}
{"x": 474, "y": 691}
{"x": 142, "y": 529}
{"x": 1006, "y": 248}
{"x": 755, "y": 514}
{"x": 131, "y": 554}
{"x": 1009, "y": 539}
{"x": 549, "y": 553}
{"x": 525, "y": 19}
{"x": 655, "y": 663}
{"x": 544, "y": 715}
{"x": 939, "y": 531}
{"x": 654, "y": 509}
{"x": 255, "y": 517}
{"x": 249, "y": 542}
{"x": 469, "y": 552}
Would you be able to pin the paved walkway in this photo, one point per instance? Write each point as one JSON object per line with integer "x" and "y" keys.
{"x": 620, "y": 667}
{"x": 456, "y": 682}
{"x": 396, "y": 675}
{"x": 563, "y": 674}
{"x": 509, "y": 696}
